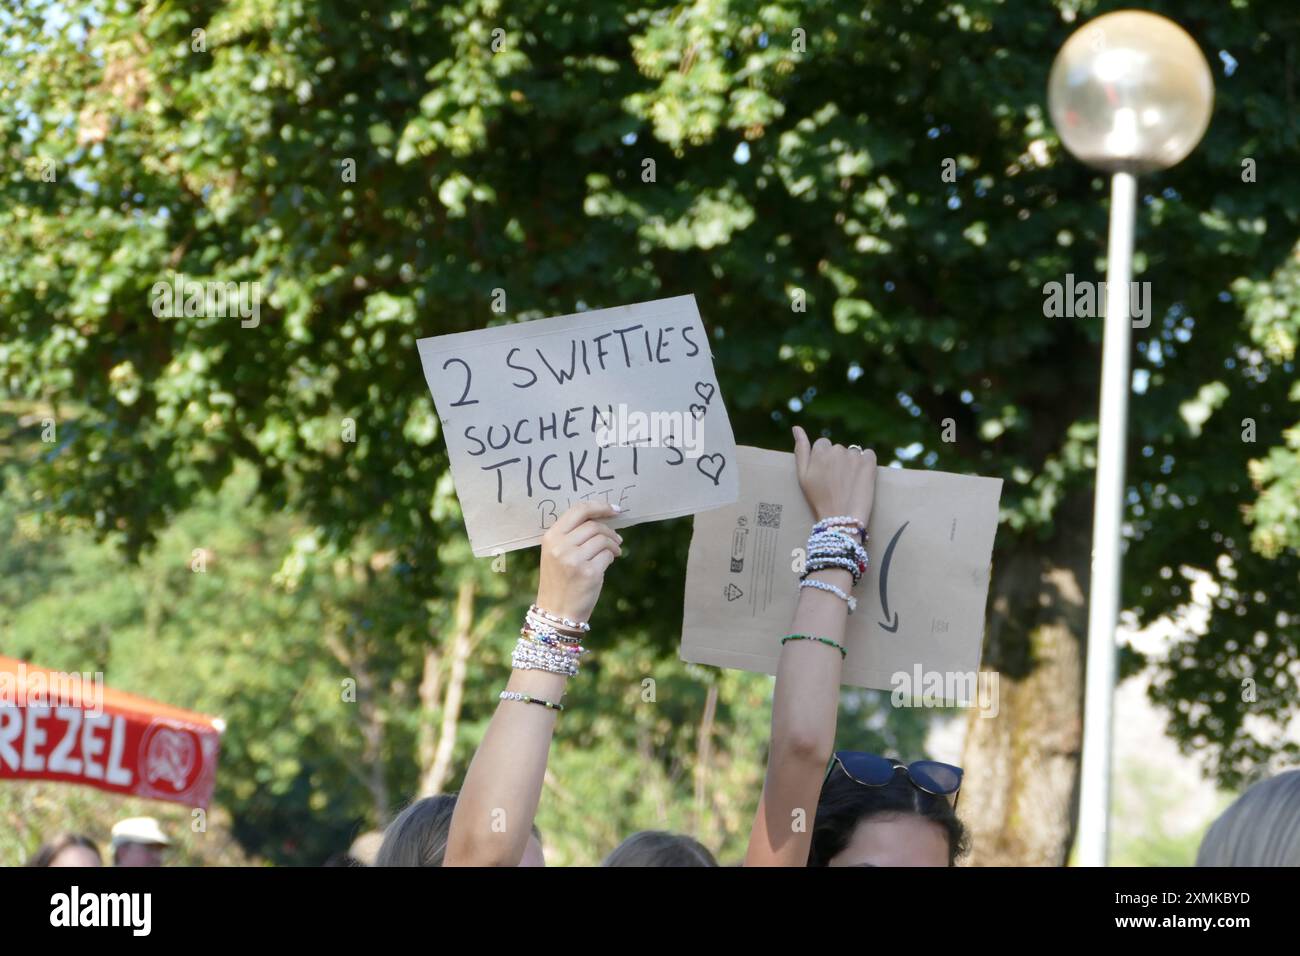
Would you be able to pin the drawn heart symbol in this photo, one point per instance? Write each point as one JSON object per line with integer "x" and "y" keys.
{"x": 705, "y": 390}
{"x": 697, "y": 411}
{"x": 715, "y": 457}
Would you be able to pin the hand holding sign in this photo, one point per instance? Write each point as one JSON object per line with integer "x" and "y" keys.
{"x": 599, "y": 406}
{"x": 576, "y": 552}
{"x": 835, "y": 480}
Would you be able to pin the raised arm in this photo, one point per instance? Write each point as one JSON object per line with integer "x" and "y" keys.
{"x": 494, "y": 813}
{"x": 838, "y": 483}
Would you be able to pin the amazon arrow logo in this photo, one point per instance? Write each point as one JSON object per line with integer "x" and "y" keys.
{"x": 884, "y": 580}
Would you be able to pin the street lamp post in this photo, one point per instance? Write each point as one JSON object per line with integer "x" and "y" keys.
{"x": 1129, "y": 92}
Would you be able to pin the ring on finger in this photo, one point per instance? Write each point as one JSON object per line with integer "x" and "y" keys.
{"x": 857, "y": 448}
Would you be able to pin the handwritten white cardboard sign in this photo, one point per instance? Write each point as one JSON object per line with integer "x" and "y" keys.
{"x": 620, "y": 405}
{"x": 920, "y": 604}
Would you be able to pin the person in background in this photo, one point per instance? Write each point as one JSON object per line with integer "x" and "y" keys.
{"x": 139, "y": 841}
{"x": 69, "y": 849}
{"x": 657, "y": 848}
{"x": 871, "y": 814}
{"x": 1262, "y": 828}
{"x": 865, "y": 809}
{"x": 418, "y": 837}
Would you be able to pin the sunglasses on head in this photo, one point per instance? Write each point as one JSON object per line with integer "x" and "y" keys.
{"x": 873, "y": 770}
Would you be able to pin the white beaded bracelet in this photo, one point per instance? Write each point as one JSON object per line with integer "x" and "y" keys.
{"x": 558, "y": 620}
{"x": 848, "y": 599}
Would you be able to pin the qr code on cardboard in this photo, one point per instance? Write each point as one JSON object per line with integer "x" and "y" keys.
{"x": 769, "y": 515}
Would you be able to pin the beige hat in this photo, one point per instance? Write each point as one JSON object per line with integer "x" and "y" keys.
{"x": 139, "y": 830}
{"x": 365, "y": 848}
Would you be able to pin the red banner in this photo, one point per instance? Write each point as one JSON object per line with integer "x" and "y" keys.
{"x": 67, "y": 726}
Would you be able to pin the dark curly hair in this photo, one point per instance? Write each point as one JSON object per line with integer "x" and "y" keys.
{"x": 844, "y": 804}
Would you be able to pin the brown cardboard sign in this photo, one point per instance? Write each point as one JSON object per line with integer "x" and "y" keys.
{"x": 920, "y": 604}
{"x": 620, "y": 405}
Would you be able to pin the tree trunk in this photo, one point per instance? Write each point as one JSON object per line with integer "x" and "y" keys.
{"x": 371, "y": 719}
{"x": 436, "y": 767}
{"x": 430, "y": 697}
{"x": 1020, "y": 794}
{"x": 462, "y": 642}
{"x": 703, "y": 757}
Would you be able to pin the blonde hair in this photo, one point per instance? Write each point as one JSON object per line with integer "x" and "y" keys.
{"x": 418, "y": 837}
{"x": 1262, "y": 828}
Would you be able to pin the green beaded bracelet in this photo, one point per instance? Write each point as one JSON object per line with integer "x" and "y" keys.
{"x": 821, "y": 640}
{"x": 528, "y": 699}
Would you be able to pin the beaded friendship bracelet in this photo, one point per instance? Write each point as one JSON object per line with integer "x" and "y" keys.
{"x": 526, "y": 699}
{"x": 821, "y": 564}
{"x": 835, "y": 548}
{"x": 533, "y": 625}
{"x": 848, "y": 599}
{"x": 550, "y": 641}
{"x": 838, "y": 540}
{"x": 550, "y": 635}
{"x": 821, "y": 640}
{"x": 838, "y": 519}
{"x": 842, "y": 521}
{"x": 556, "y": 620}
{"x": 528, "y": 657}
{"x": 544, "y": 646}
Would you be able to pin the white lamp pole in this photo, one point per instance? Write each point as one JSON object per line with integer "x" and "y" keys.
{"x": 1129, "y": 92}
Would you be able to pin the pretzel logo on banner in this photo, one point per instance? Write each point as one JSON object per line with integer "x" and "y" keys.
{"x": 171, "y": 755}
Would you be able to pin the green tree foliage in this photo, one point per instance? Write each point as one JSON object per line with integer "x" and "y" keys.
{"x": 762, "y": 155}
